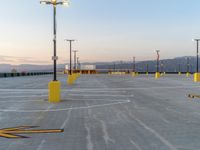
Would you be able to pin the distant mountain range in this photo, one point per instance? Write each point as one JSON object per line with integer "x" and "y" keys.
{"x": 28, "y": 68}
{"x": 167, "y": 65}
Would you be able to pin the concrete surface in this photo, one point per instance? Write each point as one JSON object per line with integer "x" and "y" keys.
{"x": 102, "y": 112}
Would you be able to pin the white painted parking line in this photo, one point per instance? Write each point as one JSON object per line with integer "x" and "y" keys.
{"x": 22, "y": 96}
{"x": 99, "y": 95}
{"x": 21, "y": 101}
{"x": 100, "y": 89}
{"x": 65, "y": 109}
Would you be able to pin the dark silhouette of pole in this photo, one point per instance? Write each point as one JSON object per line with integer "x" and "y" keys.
{"x": 197, "y": 41}
{"x": 70, "y": 60}
{"x": 75, "y": 59}
{"x": 114, "y": 67}
{"x": 54, "y": 58}
{"x": 147, "y": 68}
{"x": 134, "y": 64}
{"x": 54, "y": 41}
{"x": 188, "y": 64}
{"x": 158, "y": 58}
{"x": 77, "y": 62}
{"x": 179, "y": 68}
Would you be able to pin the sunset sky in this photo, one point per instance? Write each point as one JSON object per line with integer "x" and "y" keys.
{"x": 106, "y": 30}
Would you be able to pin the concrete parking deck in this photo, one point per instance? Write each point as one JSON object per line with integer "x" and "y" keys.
{"x": 103, "y": 112}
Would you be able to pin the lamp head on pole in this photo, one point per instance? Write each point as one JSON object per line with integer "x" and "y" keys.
{"x": 55, "y": 2}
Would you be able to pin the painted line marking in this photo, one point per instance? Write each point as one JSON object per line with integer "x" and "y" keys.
{"x": 65, "y": 109}
{"x": 66, "y": 120}
{"x": 22, "y": 96}
{"x": 40, "y": 147}
{"x": 154, "y": 132}
{"x": 22, "y": 101}
{"x": 12, "y": 132}
{"x": 90, "y": 95}
{"x": 100, "y": 89}
{"x": 64, "y": 100}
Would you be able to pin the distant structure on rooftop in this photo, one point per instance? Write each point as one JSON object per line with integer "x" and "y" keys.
{"x": 83, "y": 69}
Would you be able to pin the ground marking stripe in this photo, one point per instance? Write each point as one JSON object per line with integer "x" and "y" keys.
{"x": 102, "y": 89}
{"x": 65, "y": 109}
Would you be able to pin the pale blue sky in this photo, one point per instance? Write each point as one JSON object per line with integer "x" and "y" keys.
{"x": 106, "y": 30}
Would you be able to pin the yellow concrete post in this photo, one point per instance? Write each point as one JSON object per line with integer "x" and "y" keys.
{"x": 54, "y": 91}
{"x": 133, "y": 74}
{"x": 74, "y": 76}
{"x": 187, "y": 74}
{"x": 157, "y": 75}
{"x": 70, "y": 80}
{"x": 197, "y": 77}
{"x": 179, "y": 73}
{"x": 147, "y": 73}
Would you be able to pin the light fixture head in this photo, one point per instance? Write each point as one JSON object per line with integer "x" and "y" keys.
{"x": 195, "y": 40}
{"x": 65, "y": 3}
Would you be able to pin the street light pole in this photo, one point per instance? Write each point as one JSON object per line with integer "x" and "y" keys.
{"x": 158, "y": 58}
{"x": 54, "y": 86}
{"x": 75, "y": 51}
{"x": 197, "y": 74}
{"x": 54, "y": 57}
{"x": 54, "y": 41}
{"x": 157, "y": 74}
{"x": 133, "y": 64}
{"x": 77, "y": 62}
{"x": 70, "y": 62}
{"x": 197, "y": 65}
{"x": 188, "y": 64}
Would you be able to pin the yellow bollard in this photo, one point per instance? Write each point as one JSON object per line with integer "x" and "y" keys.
{"x": 133, "y": 74}
{"x": 179, "y": 73}
{"x": 74, "y": 77}
{"x": 197, "y": 77}
{"x": 70, "y": 80}
{"x": 157, "y": 75}
{"x": 187, "y": 74}
{"x": 147, "y": 73}
{"x": 54, "y": 91}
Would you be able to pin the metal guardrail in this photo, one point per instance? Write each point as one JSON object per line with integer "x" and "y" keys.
{"x": 6, "y": 75}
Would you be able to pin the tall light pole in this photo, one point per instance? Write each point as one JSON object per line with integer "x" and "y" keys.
{"x": 179, "y": 69}
{"x": 54, "y": 86}
{"x": 77, "y": 62}
{"x": 134, "y": 64}
{"x": 54, "y": 3}
{"x": 157, "y": 74}
{"x": 158, "y": 59}
{"x": 147, "y": 68}
{"x": 70, "y": 61}
{"x": 197, "y": 74}
{"x": 197, "y": 55}
{"x": 75, "y": 51}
